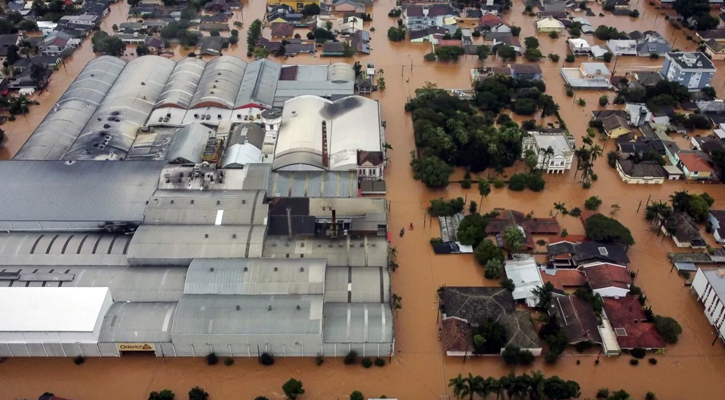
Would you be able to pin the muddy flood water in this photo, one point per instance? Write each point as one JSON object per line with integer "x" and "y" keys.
{"x": 691, "y": 369}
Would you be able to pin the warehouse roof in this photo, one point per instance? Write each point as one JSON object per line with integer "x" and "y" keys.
{"x": 248, "y": 315}
{"x": 255, "y": 276}
{"x": 62, "y": 248}
{"x": 76, "y": 191}
{"x": 50, "y": 309}
{"x": 358, "y": 323}
{"x": 313, "y": 184}
{"x": 60, "y": 128}
{"x": 188, "y": 143}
{"x": 137, "y": 322}
{"x": 365, "y": 252}
{"x": 357, "y": 285}
{"x": 179, "y": 244}
{"x": 217, "y": 207}
{"x": 220, "y": 83}
{"x": 148, "y": 284}
{"x": 353, "y": 123}
{"x": 112, "y": 129}
{"x": 181, "y": 86}
{"x": 259, "y": 84}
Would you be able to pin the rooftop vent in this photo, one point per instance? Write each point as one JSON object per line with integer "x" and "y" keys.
{"x": 269, "y": 308}
{"x": 302, "y": 269}
{"x": 275, "y": 269}
{"x": 298, "y": 307}
{"x": 239, "y": 307}
{"x": 246, "y": 269}
{"x": 620, "y": 331}
{"x": 211, "y": 269}
{"x": 234, "y": 235}
{"x": 206, "y": 236}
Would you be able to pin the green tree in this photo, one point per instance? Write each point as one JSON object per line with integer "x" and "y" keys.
{"x": 293, "y": 388}
{"x": 603, "y": 100}
{"x": 511, "y": 354}
{"x": 556, "y": 388}
{"x": 162, "y": 395}
{"x": 513, "y": 238}
{"x": 38, "y": 73}
{"x": 472, "y": 230}
{"x": 381, "y": 84}
{"x": 483, "y": 52}
{"x": 396, "y": 34}
{"x": 517, "y": 182}
{"x": 142, "y": 50}
{"x": 524, "y": 106}
{"x": 486, "y": 251}
{"x": 492, "y": 338}
{"x": 603, "y": 229}
{"x": 531, "y": 42}
{"x": 668, "y": 327}
{"x": 506, "y": 53}
{"x": 592, "y": 203}
{"x": 493, "y": 269}
{"x": 432, "y": 171}
{"x": 460, "y": 386}
{"x": 311, "y": 9}
{"x": 357, "y": 395}
{"x": 197, "y": 393}
{"x": 607, "y": 57}
{"x": 531, "y": 159}
{"x": 448, "y": 53}
{"x": 484, "y": 188}
{"x": 545, "y": 295}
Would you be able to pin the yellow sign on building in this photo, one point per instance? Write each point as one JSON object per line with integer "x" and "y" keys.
{"x": 135, "y": 347}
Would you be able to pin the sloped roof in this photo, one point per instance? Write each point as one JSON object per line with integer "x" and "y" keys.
{"x": 577, "y": 318}
{"x": 694, "y": 162}
{"x": 608, "y": 275}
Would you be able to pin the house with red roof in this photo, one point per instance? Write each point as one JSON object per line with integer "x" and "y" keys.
{"x": 629, "y": 322}
{"x": 492, "y": 23}
{"x": 609, "y": 280}
{"x": 695, "y": 166}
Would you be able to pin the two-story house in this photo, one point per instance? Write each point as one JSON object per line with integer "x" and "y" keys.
{"x": 590, "y": 75}
{"x": 637, "y": 113}
{"x": 82, "y": 20}
{"x": 370, "y": 165}
{"x": 58, "y": 44}
{"x": 555, "y": 150}
{"x": 417, "y": 17}
{"x": 529, "y": 72}
{"x": 692, "y": 70}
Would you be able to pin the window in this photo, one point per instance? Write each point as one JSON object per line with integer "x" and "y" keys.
{"x": 603, "y": 251}
{"x": 620, "y": 331}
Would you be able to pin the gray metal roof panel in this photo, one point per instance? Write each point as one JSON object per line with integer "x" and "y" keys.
{"x": 259, "y": 84}
{"x": 62, "y": 249}
{"x": 365, "y": 252}
{"x": 255, "y": 276}
{"x": 220, "y": 82}
{"x": 137, "y": 323}
{"x": 218, "y": 207}
{"x": 357, "y": 285}
{"x": 180, "y": 88}
{"x": 257, "y": 176}
{"x": 77, "y": 191}
{"x": 358, "y": 323}
{"x": 256, "y": 315}
{"x": 188, "y": 143}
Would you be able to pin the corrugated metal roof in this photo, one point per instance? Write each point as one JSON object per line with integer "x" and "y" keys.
{"x": 76, "y": 191}
{"x": 220, "y": 82}
{"x": 148, "y": 284}
{"x": 312, "y": 184}
{"x": 217, "y": 207}
{"x": 365, "y": 252}
{"x": 357, "y": 285}
{"x": 179, "y": 244}
{"x": 287, "y": 90}
{"x": 62, "y": 249}
{"x": 255, "y": 276}
{"x": 716, "y": 281}
{"x": 188, "y": 143}
{"x": 137, "y": 323}
{"x": 257, "y": 176}
{"x": 239, "y": 155}
{"x": 182, "y": 83}
{"x": 358, "y": 323}
{"x": 112, "y": 129}
{"x": 259, "y": 84}
{"x": 256, "y": 315}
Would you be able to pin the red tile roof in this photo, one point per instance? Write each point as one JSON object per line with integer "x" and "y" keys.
{"x": 608, "y": 275}
{"x": 452, "y": 42}
{"x": 627, "y": 318}
{"x": 641, "y": 335}
{"x": 456, "y": 335}
{"x": 625, "y": 308}
{"x": 565, "y": 278}
{"x": 490, "y": 20}
{"x": 573, "y": 239}
{"x": 694, "y": 162}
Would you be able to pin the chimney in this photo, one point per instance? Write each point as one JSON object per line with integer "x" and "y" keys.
{"x": 289, "y": 222}
{"x": 325, "y": 160}
{"x": 334, "y": 224}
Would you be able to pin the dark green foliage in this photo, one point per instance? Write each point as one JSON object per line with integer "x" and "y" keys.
{"x": 604, "y": 32}
{"x": 494, "y": 335}
{"x": 556, "y": 388}
{"x": 634, "y": 361}
{"x": 228, "y": 361}
{"x": 472, "y": 229}
{"x": 536, "y": 181}
{"x": 524, "y": 106}
{"x": 653, "y": 361}
{"x": 197, "y": 393}
{"x": 506, "y": 53}
{"x": 448, "y": 53}
{"x": 350, "y": 358}
{"x": 603, "y": 229}
{"x": 592, "y": 203}
{"x": 515, "y": 30}
{"x": 436, "y": 240}
{"x": 78, "y": 360}
{"x": 634, "y": 13}
{"x": 472, "y": 207}
{"x": 696, "y": 206}
{"x": 319, "y": 360}
{"x": 528, "y": 125}
{"x": 668, "y": 327}
{"x": 526, "y": 357}
{"x": 366, "y": 362}
{"x": 266, "y": 359}
{"x": 432, "y": 171}
{"x": 357, "y": 395}
{"x": 105, "y": 44}
{"x": 569, "y": 58}
{"x": 293, "y": 388}
{"x": 638, "y": 353}
{"x": 466, "y": 183}
{"x": 545, "y": 295}
{"x": 445, "y": 208}
{"x": 396, "y": 34}
{"x": 162, "y": 395}
{"x": 212, "y": 359}
{"x": 518, "y": 181}
{"x": 602, "y": 393}
{"x": 511, "y": 355}
{"x": 575, "y": 212}
{"x": 551, "y": 357}
{"x": 379, "y": 362}
{"x": 583, "y": 346}
{"x": 507, "y": 284}
{"x": 311, "y": 9}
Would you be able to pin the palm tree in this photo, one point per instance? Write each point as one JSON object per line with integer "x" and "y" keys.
{"x": 460, "y": 388}
{"x": 392, "y": 265}
{"x": 474, "y": 382}
{"x": 587, "y": 140}
{"x": 482, "y": 386}
{"x": 396, "y": 302}
{"x": 494, "y": 386}
{"x": 657, "y": 212}
{"x": 596, "y": 152}
{"x": 521, "y": 385}
{"x": 680, "y": 200}
{"x": 548, "y": 152}
{"x": 484, "y": 189}
{"x": 392, "y": 252}
{"x": 536, "y": 385}
{"x": 559, "y": 206}
{"x": 508, "y": 383}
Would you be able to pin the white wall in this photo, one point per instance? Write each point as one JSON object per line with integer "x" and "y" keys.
{"x": 714, "y": 308}
{"x": 612, "y": 292}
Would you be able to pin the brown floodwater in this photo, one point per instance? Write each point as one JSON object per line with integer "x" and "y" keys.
{"x": 691, "y": 369}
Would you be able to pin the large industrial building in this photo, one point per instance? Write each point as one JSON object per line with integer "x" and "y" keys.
{"x": 177, "y": 237}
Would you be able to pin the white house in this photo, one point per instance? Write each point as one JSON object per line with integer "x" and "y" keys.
{"x": 607, "y": 279}
{"x": 579, "y": 47}
{"x": 555, "y": 150}
{"x": 710, "y": 288}
{"x": 637, "y": 113}
{"x": 717, "y": 220}
{"x": 549, "y": 24}
{"x": 526, "y": 276}
{"x": 620, "y": 47}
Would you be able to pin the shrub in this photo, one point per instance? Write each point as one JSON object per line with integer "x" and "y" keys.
{"x": 476, "y": 34}
{"x": 379, "y": 362}
{"x": 266, "y": 359}
{"x": 564, "y": 233}
{"x": 319, "y": 360}
{"x": 575, "y": 212}
{"x": 78, "y": 360}
{"x": 602, "y": 393}
{"x": 511, "y": 355}
{"x": 541, "y": 242}
{"x": 668, "y": 328}
{"x": 211, "y": 359}
{"x": 526, "y": 357}
{"x": 603, "y": 100}
{"x": 165, "y": 394}
{"x": 592, "y": 203}
{"x": 650, "y": 395}
{"x": 570, "y": 92}
{"x": 551, "y": 357}
{"x": 228, "y": 361}
{"x": 581, "y": 102}
{"x": 498, "y": 183}
{"x": 638, "y": 353}
{"x": 569, "y": 58}
{"x": 357, "y": 395}
{"x": 536, "y": 182}
{"x": 583, "y": 346}
{"x": 366, "y": 362}
{"x": 634, "y": 14}
{"x": 518, "y": 181}
{"x": 429, "y": 57}
{"x": 634, "y": 361}
{"x": 554, "y": 57}
{"x": 466, "y": 183}
{"x": 197, "y": 393}
{"x": 607, "y": 57}
{"x": 350, "y": 358}
{"x": 553, "y": 35}
{"x": 436, "y": 240}
{"x": 653, "y": 361}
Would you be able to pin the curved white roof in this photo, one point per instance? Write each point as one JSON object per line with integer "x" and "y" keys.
{"x": 340, "y": 72}
{"x": 353, "y": 123}
{"x": 180, "y": 88}
{"x": 220, "y": 82}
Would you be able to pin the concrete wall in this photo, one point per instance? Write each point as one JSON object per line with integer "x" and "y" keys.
{"x": 713, "y": 306}
{"x": 248, "y": 345}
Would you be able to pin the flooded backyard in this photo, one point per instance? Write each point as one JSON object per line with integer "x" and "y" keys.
{"x": 692, "y": 369}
